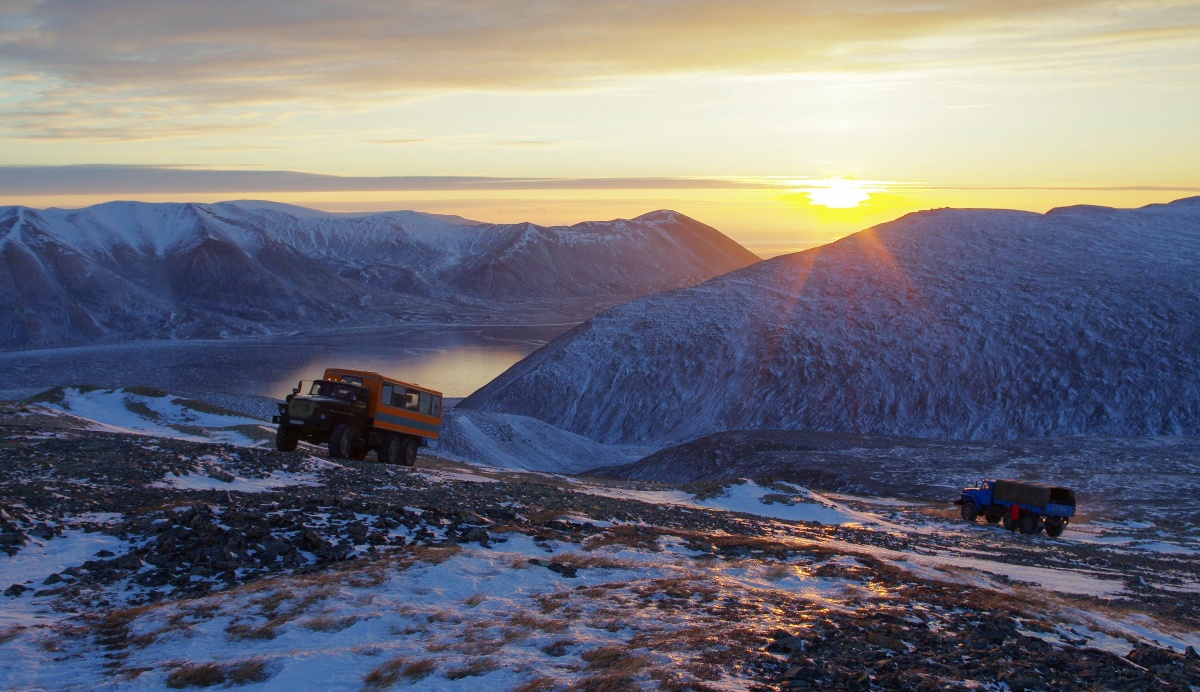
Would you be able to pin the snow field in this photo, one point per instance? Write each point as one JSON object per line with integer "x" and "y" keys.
{"x": 141, "y": 413}
{"x": 482, "y": 618}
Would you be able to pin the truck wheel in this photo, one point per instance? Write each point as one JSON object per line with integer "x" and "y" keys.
{"x": 1028, "y": 523}
{"x": 1009, "y": 524}
{"x": 392, "y": 450}
{"x": 410, "y": 452}
{"x": 992, "y": 518}
{"x": 341, "y": 442}
{"x": 969, "y": 512}
{"x": 285, "y": 441}
{"x": 1054, "y": 527}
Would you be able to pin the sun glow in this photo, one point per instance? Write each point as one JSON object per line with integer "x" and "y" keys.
{"x": 838, "y": 193}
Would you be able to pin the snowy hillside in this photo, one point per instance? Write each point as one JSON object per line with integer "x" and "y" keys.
{"x": 131, "y": 562}
{"x": 969, "y": 324}
{"x": 128, "y": 270}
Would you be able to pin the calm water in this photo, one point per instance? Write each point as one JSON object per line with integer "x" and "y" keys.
{"x": 454, "y": 360}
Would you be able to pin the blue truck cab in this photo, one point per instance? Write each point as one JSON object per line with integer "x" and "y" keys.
{"x": 1030, "y": 507}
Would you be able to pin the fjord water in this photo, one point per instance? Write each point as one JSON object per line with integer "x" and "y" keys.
{"x": 455, "y": 360}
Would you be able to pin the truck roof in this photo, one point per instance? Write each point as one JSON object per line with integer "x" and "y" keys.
{"x": 367, "y": 374}
{"x": 1027, "y": 493}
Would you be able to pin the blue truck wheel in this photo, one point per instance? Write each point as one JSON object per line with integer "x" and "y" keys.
{"x": 969, "y": 512}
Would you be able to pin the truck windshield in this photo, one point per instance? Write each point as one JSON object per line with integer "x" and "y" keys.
{"x": 337, "y": 390}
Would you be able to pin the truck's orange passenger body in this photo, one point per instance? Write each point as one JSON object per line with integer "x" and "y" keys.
{"x": 394, "y": 405}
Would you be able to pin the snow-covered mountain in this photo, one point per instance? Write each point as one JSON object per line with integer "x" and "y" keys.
{"x": 127, "y": 270}
{"x": 970, "y": 324}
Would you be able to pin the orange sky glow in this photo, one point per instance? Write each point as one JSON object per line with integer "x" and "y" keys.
{"x": 559, "y": 111}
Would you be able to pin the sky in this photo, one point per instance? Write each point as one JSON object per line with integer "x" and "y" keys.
{"x": 743, "y": 115}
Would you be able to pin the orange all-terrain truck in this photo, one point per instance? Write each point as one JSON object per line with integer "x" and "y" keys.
{"x": 356, "y": 411}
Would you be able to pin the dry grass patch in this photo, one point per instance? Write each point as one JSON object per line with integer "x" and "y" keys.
{"x": 389, "y": 673}
{"x": 131, "y": 674}
{"x": 593, "y": 561}
{"x": 435, "y": 555}
{"x": 272, "y": 601}
{"x": 683, "y": 588}
{"x": 330, "y": 623}
{"x": 604, "y": 682}
{"x": 211, "y": 674}
{"x": 480, "y": 642}
{"x": 443, "y": 615}
{"x": 144, "y": 640}
{"x": 368, "y": 578}
{"x": 538, "y": 684}
{"x": 532, "y": 622}
{"x": 239, "y": 631}
{"x": 552, "y": 602}
{"x": 247, "y": 671}
{"x": 474, "y": 668}
{"x": 474, "y": 600}
{"x": 615, "y": 660}
{"x": 628, "y": 535}
{"x": 10, "y": 633}
{"x": 196, "y": 675}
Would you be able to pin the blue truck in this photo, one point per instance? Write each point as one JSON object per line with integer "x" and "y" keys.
{"x": 1030, "y": 507}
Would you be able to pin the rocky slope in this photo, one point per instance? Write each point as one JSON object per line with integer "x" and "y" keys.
{"x": 140, "y": 562}
{"x": 967, "y": 324}
{"x": 127, "y": 270}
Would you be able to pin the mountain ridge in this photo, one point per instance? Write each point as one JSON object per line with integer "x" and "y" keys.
{"x": 971, "y": 324}
{"x": 127, "y": 270}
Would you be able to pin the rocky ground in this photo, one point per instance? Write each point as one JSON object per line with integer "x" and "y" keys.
{"x": 138, "y": 561}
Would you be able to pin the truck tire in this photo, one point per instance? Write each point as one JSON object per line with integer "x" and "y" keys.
{"x": 1028, "y": 523}
{"x": 1054, "y": 526}
{"x": 392, "y": 449}
{"x": 285, "y": 441}
{"x": 341, "y": 441}
{"x": 1009, "y": 524}
{"x": 410, "y": 452}
{"x": 969, "y": 512}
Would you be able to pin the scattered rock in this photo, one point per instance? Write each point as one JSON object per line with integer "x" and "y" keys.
{"x": 557, "y": 567}
{"x": 886, "y": 642}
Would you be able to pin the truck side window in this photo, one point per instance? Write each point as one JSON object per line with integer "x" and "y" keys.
{"x": 426, "y": 403}
{"x": 386, "y": 397}
{"x": 412, "y": 399}
{"x": 437, "y": 406}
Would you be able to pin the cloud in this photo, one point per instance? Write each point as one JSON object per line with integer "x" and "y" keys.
{"x": 148, "y": 180}
{"x": 167, "y": 61}
{"x": 119, "y": 179}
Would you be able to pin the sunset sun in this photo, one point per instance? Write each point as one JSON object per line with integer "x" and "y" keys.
{"x": 838, "y": 193}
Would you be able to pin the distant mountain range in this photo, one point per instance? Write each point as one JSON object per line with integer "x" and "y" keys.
{"x": 128, "y": 270}
{"x": 965, "y": 324}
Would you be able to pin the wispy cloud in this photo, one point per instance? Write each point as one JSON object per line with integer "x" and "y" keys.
{"x": 169, "y": 63}
{"x": 117, "y": 179}
{"x": 149, "y": 180}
